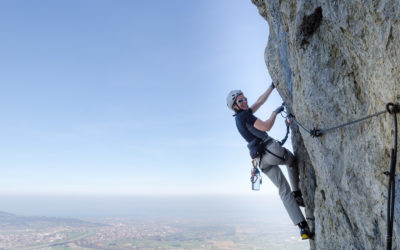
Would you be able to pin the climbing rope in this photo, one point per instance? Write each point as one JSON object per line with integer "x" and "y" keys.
{"x": 392, "y": 109}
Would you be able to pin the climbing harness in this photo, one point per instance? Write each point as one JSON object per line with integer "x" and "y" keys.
{"x": 282, "y": 158}
{"x": 392, "y": 109}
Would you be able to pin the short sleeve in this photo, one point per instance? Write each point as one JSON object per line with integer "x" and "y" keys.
{"x": 250, "y": 118}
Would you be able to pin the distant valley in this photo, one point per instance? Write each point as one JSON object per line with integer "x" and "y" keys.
{"x": 28, "y": 232}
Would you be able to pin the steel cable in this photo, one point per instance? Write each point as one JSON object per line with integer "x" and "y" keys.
{"x": 392, "y": 109}
{"x": 319, "y": 132}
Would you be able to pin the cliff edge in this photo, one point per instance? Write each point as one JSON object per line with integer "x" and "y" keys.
{"x": 333, "y": 62}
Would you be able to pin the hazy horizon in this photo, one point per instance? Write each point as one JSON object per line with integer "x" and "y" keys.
{"x": 86, "y": 206}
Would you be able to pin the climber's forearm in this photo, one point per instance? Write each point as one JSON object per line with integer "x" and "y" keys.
{"x": 266, "y": 125}
{"x": 262, "y": 99}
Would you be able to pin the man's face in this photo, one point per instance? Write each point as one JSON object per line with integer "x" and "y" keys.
{"x": 241, "y": 102}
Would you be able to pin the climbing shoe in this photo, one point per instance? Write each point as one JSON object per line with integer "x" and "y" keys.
{"x": 306, "y": 234}
{"x": 299, "y": 198}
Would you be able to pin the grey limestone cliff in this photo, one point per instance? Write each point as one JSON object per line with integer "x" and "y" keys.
{"x": 334, "y": 61}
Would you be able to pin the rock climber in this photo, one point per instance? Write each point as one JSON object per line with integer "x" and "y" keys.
{"x": 268, "y": 153}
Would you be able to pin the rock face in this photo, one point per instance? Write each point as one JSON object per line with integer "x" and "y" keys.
{"x": 336, "y": 61}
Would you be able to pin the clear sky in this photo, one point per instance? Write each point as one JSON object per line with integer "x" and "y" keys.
{"x": 128, "y": 97}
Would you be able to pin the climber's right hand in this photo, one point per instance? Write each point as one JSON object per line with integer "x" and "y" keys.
{"x": 272, "y": 85}
{"x": 279, "y": 109}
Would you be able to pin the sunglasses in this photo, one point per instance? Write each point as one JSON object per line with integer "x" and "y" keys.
{"x": 242, "y": 100}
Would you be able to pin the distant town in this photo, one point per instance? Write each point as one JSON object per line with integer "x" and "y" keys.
{"x": 17, "y": 232}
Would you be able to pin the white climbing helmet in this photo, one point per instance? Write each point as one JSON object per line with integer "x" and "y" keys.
{"x": 231, "y": 98}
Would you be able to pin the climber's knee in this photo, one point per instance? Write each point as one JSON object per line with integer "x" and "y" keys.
{"x": 289, "y": 158}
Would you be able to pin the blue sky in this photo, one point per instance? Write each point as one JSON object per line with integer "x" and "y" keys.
{"x": 128, "y": 97}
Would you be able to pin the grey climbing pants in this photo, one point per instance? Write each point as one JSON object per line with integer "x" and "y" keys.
{"x": 269, "y": 166}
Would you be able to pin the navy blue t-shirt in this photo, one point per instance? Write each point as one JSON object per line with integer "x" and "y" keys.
{"x": 245, "y": 123}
